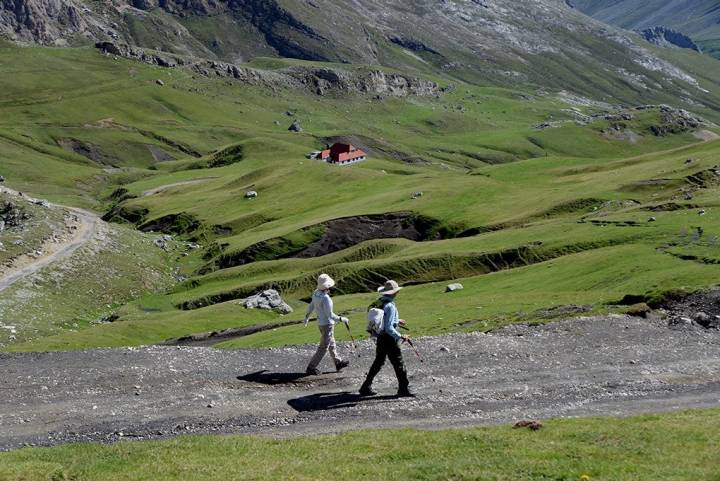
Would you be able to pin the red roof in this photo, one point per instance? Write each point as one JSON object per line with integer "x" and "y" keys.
{"x": 343, "y": 153}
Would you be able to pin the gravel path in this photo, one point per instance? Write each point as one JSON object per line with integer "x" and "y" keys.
{"x": 87, "y": 225}
{"x": 613, "y": 365}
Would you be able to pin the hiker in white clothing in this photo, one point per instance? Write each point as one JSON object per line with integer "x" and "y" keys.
{"x": 323, "y": 305}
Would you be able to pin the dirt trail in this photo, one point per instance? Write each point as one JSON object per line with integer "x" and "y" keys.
{"x": 86, "y": 228}
{"x": 161, "y": 188}
{"x": 612, "y": 365}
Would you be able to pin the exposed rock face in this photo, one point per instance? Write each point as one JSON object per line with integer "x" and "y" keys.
{"x": 322, "y": 81}
{"x": 666, "y": 37}
{"x": 41, "y": 21}
{"x": 143, "y": 55}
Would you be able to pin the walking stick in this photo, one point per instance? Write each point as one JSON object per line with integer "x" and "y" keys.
{"x": 414, "y": 349}
{"x": 353, "y": 339}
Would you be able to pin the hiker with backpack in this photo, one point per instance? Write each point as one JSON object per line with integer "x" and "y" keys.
{"x": 323, "y": 305}
{"x": 384, "y": 326}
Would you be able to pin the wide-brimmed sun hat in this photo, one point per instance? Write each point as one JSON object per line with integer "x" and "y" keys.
{"x": 390, "y": 287}
{"x": 325, "y": 282}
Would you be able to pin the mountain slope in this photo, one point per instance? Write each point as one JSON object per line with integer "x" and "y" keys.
{"x": 542, "y": 43}
{"x": 700, "y": 19}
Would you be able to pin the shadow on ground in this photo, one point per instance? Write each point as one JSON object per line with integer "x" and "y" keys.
{"x": 335, "y": 400}
{"x": 273, "y": 378}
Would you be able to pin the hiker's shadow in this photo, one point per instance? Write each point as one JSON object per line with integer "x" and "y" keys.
{"x": 328, "y": 401}
{"x": 273, "y": 378}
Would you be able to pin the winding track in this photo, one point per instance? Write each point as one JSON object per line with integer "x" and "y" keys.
{"x": 87, "y": 228}
{"x": 613, "y": 365}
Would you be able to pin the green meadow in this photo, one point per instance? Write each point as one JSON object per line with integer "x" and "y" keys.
{"x": 679, "y": 446}
{"x": 527, "y": 218}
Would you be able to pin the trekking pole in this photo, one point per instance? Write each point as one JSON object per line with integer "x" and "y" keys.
{"x": 415, "y": 349}
{"x": 353, "y": 339}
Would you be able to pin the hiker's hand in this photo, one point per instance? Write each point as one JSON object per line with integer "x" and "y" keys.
{"x": 402, "y": 322}
{"x": 305, "y": 322}
{"x": 405, "y": 338}
{"x": 345, "y": 321}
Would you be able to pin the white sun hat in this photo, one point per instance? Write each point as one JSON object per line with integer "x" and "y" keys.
{"x": 325, "y": 282}
{"x": 390, "y": 287}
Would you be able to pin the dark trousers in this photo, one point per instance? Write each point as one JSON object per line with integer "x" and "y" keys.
{"x": 388, "y": 347}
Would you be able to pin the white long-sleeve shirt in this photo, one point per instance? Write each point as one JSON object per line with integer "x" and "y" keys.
{"x": 323, "y": 304}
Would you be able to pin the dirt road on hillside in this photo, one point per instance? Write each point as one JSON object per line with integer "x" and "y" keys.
{"x": 184, "y": 183}
{"x": 85, "y": 229}
{"x": 613, "y": 365}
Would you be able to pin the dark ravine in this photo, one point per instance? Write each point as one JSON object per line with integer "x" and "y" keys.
{"x": 336, "y": 235}
{"x": 598, "y": 366}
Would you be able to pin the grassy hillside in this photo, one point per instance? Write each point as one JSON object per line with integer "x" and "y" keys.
{"x": 671, "y": 447}
{"x": 530, "y": 197}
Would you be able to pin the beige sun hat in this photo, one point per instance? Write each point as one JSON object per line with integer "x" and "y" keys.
{"x": 325, "y": 282}
{"x": 390, "y": 287}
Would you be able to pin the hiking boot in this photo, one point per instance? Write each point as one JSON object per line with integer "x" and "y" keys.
{"x": 404, "y": 392}
{"x": 367, "y": 391}
{"x": 341, "y": 365}
{"x": 312, "y": 371}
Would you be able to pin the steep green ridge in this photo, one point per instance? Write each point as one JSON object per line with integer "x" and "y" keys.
{"x": 699, "y": 19}
{"x": 675, "y": 447}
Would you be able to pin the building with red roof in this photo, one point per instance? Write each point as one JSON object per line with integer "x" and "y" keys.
{"x": 343, "y": 154}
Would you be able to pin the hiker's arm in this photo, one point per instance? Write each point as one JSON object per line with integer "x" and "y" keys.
{"x": 308, "y": 312}
{"x": 390, "y": 316}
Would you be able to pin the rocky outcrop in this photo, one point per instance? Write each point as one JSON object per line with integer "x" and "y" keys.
{"x": 322, "y": 81}
{"x": 143, "y": 55}
{"x": 673, "y": 121}
{"x": 41, "y": 21}
{"x": 667, "y": 37}
{"x": 11, "y": 215}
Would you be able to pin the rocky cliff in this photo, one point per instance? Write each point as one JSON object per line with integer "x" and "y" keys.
{"x": 43, "y": 21}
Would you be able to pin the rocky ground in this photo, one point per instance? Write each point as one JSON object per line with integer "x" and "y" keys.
{"x": 614, "y": 365}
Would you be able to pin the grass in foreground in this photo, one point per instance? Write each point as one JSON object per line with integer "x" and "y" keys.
{"x": 669, "y": 447}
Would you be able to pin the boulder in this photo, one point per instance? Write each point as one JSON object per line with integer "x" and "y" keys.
{"x": 681, "y": 321}
{"x": 702, "y": 318}
{"x": 639, "y": 310}
{"x": 295, "y": 127}
{"x": 454, "y": 287}
{"x": 531, "y": 425}
{"x": 12, "y": 215}
{"x": 269, "y": 299}
{"x": 160, "y": 82}
{"x": 251, "y": 194}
